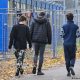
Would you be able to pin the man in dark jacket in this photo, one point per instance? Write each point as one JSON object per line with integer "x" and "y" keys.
{"x": 69, "y": 35}
{"x": 18, "y": 38}
{"x": 40, "y": 35}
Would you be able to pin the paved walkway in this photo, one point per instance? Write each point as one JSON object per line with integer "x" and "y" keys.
{"x": 56, "y": 73}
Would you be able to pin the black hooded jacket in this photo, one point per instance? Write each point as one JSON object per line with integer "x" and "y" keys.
{"x": 41, "y": 30}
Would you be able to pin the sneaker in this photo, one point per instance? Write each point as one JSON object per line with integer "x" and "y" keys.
{"x": 17, "y": 73}
{"x": 72, "y": 71}
{"x": 34, "y": 70}
{"x": 40, "y": 73}
{"x": 21, "y": 71}
{"x": 68, "y": 74}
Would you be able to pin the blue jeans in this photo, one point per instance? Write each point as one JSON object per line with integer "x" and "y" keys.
{"x": 39, "y": 49}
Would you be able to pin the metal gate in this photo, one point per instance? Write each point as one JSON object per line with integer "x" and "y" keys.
{"x": 56, "y": 18}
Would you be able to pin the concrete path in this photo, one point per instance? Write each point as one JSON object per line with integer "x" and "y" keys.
{"x": 56, "y": 73}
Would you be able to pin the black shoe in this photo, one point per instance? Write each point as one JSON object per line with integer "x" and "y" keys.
{"x": 72, "y": 71}
{"x": 17, "y": 73}
{"x": 40, "y": 73}
{"x": 34, "y": 70}
{"x": 21, "y": 71}
{"x": 68, "y": 74}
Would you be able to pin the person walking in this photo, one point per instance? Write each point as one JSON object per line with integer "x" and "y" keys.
{"x": 40, "y": 36}
{"x": 19, "y": 37}
{"x": 69, "y": 36}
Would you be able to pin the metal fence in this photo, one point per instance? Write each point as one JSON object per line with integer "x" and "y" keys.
{"x": 56, "y": 18}
{"x": 59, "y": 20}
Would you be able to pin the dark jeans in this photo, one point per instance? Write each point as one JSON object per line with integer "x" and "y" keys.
{"x": 39, "y": 51}
{"x": 70, "y": 55}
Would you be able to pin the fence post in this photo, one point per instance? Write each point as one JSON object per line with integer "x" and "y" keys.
{"x": 53, "y": 36}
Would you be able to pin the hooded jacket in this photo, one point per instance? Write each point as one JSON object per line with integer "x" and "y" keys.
{"x": 41, "y": 30}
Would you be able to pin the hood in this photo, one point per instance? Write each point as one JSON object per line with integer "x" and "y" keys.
{"x": 41, "y": 19}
